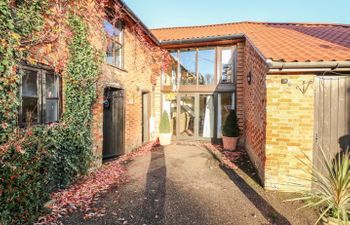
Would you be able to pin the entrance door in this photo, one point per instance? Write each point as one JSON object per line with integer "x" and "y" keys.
{"x": 332, "y": 116}
{"x": 113, "y": 123}
{"x": 146, "y": 111}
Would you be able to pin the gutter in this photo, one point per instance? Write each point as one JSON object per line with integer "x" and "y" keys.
{"x": 307, "y": 66}
{"x": 138, "y": 21}
{"x": 205, "y": 39}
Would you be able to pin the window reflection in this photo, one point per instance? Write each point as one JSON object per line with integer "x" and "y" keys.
{"x": 188, "y": 67}
{"x": 206, "y": 116}
{"x": 225, "y": 103}
{"x": 206, "y": 66}
{"x": 228, "y": 61}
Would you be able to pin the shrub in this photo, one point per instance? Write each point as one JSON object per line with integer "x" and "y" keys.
{"x": 230, "y": 128}
{"x": 164, "y": 126}
{"x": 331, "y": 187}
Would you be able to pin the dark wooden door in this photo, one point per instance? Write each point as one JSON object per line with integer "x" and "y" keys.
{"x": 113, "y": 123}
{"x": 332, "y": 116}
{"x": 146, "y": 112}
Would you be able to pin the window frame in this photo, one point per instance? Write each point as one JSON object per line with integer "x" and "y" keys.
{"x": 117, "y": 41}
{"x": 217, "y": 70}
{"x": 41, "y": 94}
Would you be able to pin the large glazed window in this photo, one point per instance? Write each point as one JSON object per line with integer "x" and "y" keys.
{"x": 206, "y": 66}
{"x": 228, "y": 64}
{"x": 206, "y": 116}
{"x": 40, "y": 94}
{"x": 226, "y": 101}
{"x": 115, "y": 44}
{"x": 170, "y": 106}
{"x": 188, "y": 67}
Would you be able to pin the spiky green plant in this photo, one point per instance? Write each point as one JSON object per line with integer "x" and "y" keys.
{"x": 331, "y": 187}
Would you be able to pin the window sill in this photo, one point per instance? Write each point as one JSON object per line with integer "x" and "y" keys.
{"x": 118, "y": 68}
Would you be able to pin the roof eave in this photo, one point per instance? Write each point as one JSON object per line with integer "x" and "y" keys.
{"x": 275, "y": 66}
{"x": 202, "y": 39}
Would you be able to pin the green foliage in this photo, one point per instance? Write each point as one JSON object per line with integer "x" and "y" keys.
{"x": 164, "y": 125}
{"x": 42, "y": 159}
{"x": 17, "y": 24}
{"x": 331, "y": 187}
{"x": 82, "y": 70}
{"x": 230, "y": 127}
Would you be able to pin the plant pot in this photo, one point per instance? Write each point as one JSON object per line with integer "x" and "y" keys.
{"x": 230, "y": 143}
{"x": 332, "y": 221}
{"x": 165, "y": 139}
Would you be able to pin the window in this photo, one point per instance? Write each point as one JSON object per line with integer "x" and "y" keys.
{"x": 40, "y": 93}
{"x": 226, "y": 101}
{"x": 188, "y": 67}
{"x": 115, "y": 44}
{"x": 228, "y": 65}
{"x": 206, "y": 66}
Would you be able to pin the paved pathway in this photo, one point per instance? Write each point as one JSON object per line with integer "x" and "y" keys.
{"x": 183, "y": 185}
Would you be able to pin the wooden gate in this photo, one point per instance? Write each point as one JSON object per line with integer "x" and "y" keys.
{"x": 332, "y": 116}
{"x": 146, "y": 112}
{"x": 113, "y": 123}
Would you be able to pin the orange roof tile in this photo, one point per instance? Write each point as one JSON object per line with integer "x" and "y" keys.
{"x": 277, "y": 41}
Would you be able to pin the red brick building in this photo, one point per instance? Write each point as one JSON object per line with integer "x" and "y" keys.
{"x": 282, "y": 78}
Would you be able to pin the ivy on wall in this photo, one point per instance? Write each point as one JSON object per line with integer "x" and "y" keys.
{"x": 39, "y": 160}
{"x": 18, "y": 25}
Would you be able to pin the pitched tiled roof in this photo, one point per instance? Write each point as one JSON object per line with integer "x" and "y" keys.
{"x": 277, "y": 41}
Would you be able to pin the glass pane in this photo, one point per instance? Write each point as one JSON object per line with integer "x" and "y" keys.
{"x": 51, "y": 110}
{"x": 224, "y": 105}
{"x": 227, "y": 58}
{"x": 109, "y": 53}
{"x": 170, "y": 75}
{"x": 206, "y": 66}
{"x": 118, "y": 55}
{"x": 29, "y": 83}
{"x": 187, "y": 117}
{"x": 114, "y": 32}
{"x": 169, "y": 105}
{"x": 30, "y": 110}
{"x": 51, "y": 85}
{"x": 188, "y": 67}
{"x": 206, "y": 116}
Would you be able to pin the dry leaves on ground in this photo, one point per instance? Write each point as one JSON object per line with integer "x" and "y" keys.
{"x": 84, "y": 193}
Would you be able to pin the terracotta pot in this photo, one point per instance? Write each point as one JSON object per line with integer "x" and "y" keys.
{"x": 230, "y": 143}
{"x": 165, "y": 139}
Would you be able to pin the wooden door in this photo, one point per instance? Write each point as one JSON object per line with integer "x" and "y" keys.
{"x": 146, "y": 112}
{"x": 113, "y": 123}
{"x": 332, "y": 116}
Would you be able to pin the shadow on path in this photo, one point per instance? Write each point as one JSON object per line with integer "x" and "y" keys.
{"x": 153, "y": 208}
{"x": 259, "y": 202}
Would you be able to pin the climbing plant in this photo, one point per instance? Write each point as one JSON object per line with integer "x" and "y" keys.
{"x": 19, "y": 22}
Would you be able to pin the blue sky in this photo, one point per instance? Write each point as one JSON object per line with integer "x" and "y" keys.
{"x": 165, "y": 13}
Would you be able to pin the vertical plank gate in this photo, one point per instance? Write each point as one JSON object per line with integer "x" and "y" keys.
{"x": 332, "y": 116}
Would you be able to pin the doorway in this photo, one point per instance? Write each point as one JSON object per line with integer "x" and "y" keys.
{"x": 146, "y": 115}
{"x": 332, "y": 116}
{"x": 113, "y": 123}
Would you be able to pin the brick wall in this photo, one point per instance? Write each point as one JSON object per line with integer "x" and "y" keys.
{"x": 289, "y": 132}
{"x": 254, "y": 102}
{"x": 135, "y": 79}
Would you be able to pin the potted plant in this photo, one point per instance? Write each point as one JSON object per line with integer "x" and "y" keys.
{"x": 330, "y": 194}
{"x": 230, "y": 131}
{"x": 164, "y": 129}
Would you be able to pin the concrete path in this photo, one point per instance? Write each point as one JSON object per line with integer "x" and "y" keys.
{"x": 183, "y": 184}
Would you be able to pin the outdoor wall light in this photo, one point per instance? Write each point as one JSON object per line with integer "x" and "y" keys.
{"x": 284, "y": 81}
{"x": 249, "y": 78}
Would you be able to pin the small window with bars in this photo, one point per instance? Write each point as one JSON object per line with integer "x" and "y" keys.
{"x": 115, "y": 44}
